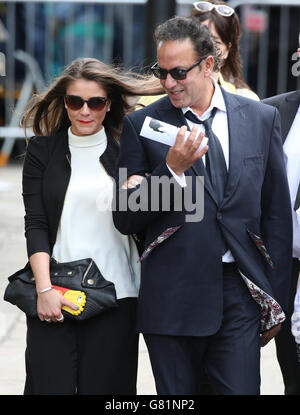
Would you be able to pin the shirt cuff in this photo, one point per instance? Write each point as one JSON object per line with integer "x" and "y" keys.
{"x": 179, "y": 179}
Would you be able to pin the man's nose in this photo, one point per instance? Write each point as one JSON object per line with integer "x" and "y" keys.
{"x": 169, "y": 82}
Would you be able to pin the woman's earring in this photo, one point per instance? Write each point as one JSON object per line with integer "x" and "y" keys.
{"x": 108, "y": 109}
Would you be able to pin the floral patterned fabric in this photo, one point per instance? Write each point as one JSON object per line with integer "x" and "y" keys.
{"x": 271, "y": 312}
{"x": 259, "y": 243}
{"x": 161, "y": 238}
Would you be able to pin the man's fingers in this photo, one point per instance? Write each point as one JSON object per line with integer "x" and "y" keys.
{"x": 268, "y": 335}
{"x": 184, "y": 153}
{"x": 265, "y": 338}
{"x": 197, "y": 154}
{"x": 180, "y": 135}
{"x": 189, "y": 142}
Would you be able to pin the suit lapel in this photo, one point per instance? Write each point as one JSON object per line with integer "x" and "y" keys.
{"x": 287, "y": 110}
{"x": 236, "y": 134}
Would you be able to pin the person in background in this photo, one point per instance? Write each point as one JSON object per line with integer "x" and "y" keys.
{"x": 67, "y": 190}
{"x": 288, "y": 105}
{"x": 224, "y": 25}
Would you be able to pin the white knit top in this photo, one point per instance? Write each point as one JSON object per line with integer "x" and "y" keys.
{"x": 86, "y": 228}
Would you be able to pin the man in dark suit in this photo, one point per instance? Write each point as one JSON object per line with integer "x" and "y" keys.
{"x": 213, "y": 288}
{"x": 288, "y": 105}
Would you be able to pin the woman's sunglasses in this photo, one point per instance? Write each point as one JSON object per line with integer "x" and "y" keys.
{"x": 205, "y": 6}
{"x": 75, "y": 102}
{"x": 176, "y": 73}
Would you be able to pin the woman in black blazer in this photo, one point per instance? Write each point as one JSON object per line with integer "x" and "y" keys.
{"x": 67, "y": 191}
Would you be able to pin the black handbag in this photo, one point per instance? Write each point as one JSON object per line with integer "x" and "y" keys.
{"x": 82, "y": 276}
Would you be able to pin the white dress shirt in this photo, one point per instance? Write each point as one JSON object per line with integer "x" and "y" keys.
{"x": 291, "y": 150}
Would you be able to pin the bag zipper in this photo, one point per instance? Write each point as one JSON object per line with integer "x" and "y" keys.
{"x": 87, "y": 271}
{"x": 68, "y": 158}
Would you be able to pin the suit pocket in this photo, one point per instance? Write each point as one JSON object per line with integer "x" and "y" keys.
{"x": 255, "y": 159}
{"x": 253, "y": 166}
{"x": 253, "y": 174}
{"x": 259, "y": 243}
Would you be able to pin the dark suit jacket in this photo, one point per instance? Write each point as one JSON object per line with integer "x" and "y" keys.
{"x": 46, "y": 175}
{"x": 287, "y": 105}
{"x": 181, "y": 287}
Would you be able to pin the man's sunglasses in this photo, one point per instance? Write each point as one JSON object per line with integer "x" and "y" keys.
{"x": 176, "y": 73}
{"x": 205, "y": 6}
{"x": 74, "y": 102}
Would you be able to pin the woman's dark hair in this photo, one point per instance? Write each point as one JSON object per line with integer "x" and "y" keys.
{"x": 46, "y": 113}
{"x": 229, "y": 30}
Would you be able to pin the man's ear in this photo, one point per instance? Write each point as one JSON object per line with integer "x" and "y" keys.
{"x": 208, "y": 65}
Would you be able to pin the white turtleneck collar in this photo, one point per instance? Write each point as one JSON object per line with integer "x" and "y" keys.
{"x": 87, "y": 140}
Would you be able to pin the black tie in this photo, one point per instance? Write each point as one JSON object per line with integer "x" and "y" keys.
{"x": 215, "y": 161}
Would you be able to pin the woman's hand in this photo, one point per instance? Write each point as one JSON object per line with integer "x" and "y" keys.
{"x": 133, "y": 181}
{"x": 49, "y": 305}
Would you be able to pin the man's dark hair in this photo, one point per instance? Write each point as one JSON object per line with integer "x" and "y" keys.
{"x": 181, "y": 28}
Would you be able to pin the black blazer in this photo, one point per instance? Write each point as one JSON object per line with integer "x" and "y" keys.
{"x": 46, "y": 175}
{"x": 181, "y": 284}
{"x": 287, "y": 105}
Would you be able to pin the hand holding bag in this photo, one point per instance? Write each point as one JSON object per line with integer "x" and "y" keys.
{"x": 82, "y": 275}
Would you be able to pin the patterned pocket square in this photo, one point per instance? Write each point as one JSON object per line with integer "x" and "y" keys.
{"x": 261, "y": 247}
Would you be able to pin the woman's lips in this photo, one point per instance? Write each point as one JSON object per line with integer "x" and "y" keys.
{"x": 84, "y": 122}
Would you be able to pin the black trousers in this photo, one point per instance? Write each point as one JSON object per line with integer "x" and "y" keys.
{"x": 230, "y": 357}
{"x": 285, "y": 343}
{"x": 97, "y": 356}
